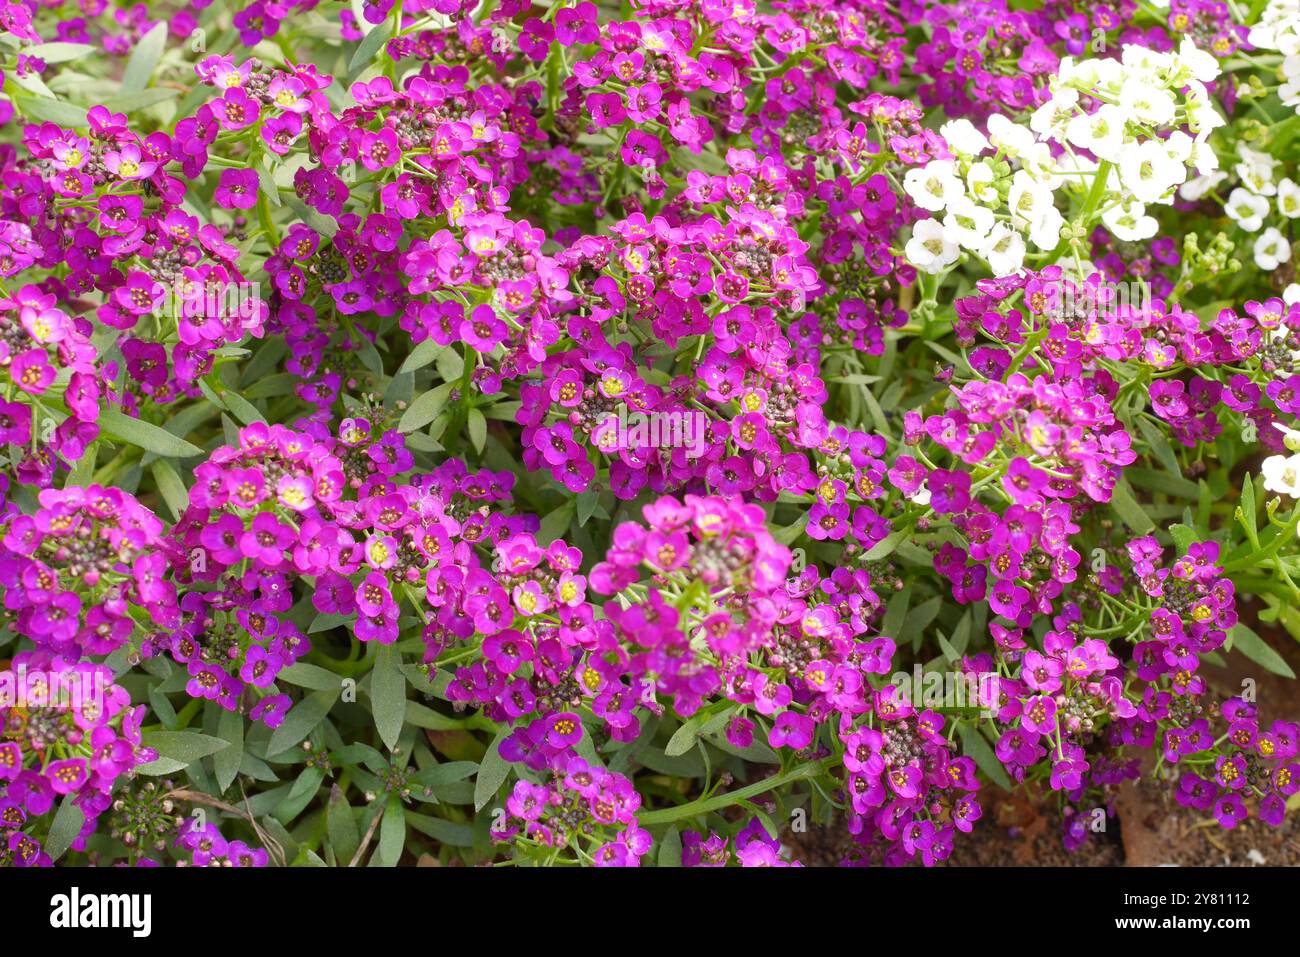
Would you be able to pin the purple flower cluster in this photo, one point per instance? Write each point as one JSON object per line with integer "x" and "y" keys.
{"x": 66, "y": 731}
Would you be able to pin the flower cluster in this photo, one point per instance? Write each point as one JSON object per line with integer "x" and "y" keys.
{"x": 86, "y": 571}
{"x": 66, "y": 732}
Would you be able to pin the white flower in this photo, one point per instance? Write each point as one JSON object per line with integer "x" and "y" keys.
{"x": 1289, "y": 91}
{"x": 1271, "y": 249}
{"x": 1291, "y": 294}
{"x": 1149, "y": 172}
{"x": 921, "y": 496}
{"x": 979, "y": 181}
{"x": 1288, "y": 198}
{"x": 1046, "y": 233}
{"x": 1290, "y": 437}
{"x": 967, "y": 223}
{"x": 1101, "y": 133}
{"x": 1011, "y": 138}
{"x": 1256, "y": 171}
{"x": 1028, "y": 200}
{"x": 934, "y": 185}
{"x": 1202, "y": 117}
{"x": 1141, "y": 98}
{"x": 1246, "y": 209}
{"x": 1203, "y": 159}
{"x": 930, "y": 249}
{"x": 1204, "y": 66}
{"x": 1039, "y": 163}
{"x": 1004, "y": 249}
{"x": 1179, "y": 146}
{"x": 1051, "y": 117}
{"x": 1198, "y": 187}
{"x": 1140, "y": 58}
{"x": 963, "y": 137}
{"x": 1282, "y": 475}
{"x": 1128, "y": 221}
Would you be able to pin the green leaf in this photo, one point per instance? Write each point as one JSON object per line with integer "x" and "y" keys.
{"x": 241, "y": 408}
{"x": 60, "y": 52}
{"x": 920, "y": 617}
{"x": 421, "y": 356}
{"x": 896, "y": 612}
{"x": 65, "y": 827}
{"x": 670, "y": 849}
{"x": 301, "y": 721}
{"x": 131, "y": 102}
{"x": 683, "y": 738}
{"x": 300, "y": 795}
{"x": 53, "y": 111}
{"x": 388, "y": 694}
{"x": 477, "y": 430}
{"x": 1182, "y": 536}
{"x": 1160, "y": 446}
{"x": 1246, "y": 511}
{"x": 230, "y": 728}
{"x": 171, "y": 487}
{"x": 392, "y": 834}
{"x": 177, "y": 750}
{"x": 977, "y": 748}
{"x": 424, "y": 409}
{"x": 341, "y": 827}
{"x": 885, "y": 547}
{"x": 145, "y": 436}
{"x": 1257, "y": 650}
{"x": 492, "y": 773}
{"x": 306, "y": 675}
{"x": 448, "y": 773}
{"x": 1129, "y": 511}
{"x": 144, "y": 59}
{"x": 367, "y": 49}
{"x": 556, "y": 523}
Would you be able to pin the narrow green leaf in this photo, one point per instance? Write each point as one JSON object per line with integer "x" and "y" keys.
{"x": 419, "y": 357}
{"x": 977, "y": 748}
{"x": 392, "y": 834}
{"x": 388, "y": 694}
{"x": 492, "y": 773}
{"x": 60, "y": 52}
{"x": 367, "y": 48}
{"x": 1250, "y": 644}
{"x": 230, "y": 728}
{"x": 65, "y": 827}
{"x": 178, "y": 750}
{"x": 670, "y": 849}
{"x": 144, "y": 59}
{"x": 1129, "y": 511}
{"x": 171, "y": 487}
{"x": 683, "y": 738}
{"x": 424, "y": 409}
{"x": 301, "y": 721}
{"x": 477, "y": 429}
{"x": 145, "y": 436}
{"x": 341, "y": 827}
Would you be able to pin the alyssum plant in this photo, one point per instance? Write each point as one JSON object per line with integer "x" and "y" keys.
{"x": 321, "y": 326}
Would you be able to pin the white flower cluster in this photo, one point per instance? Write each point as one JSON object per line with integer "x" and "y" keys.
{"x": 1152, "y": 123}
{"x": 1250, "y": 204}
{"x": 1279, "y": 29}
{"x": 987, "y": 207}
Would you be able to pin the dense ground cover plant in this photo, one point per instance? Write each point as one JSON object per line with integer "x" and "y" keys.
{"x": 604, "y": 434}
